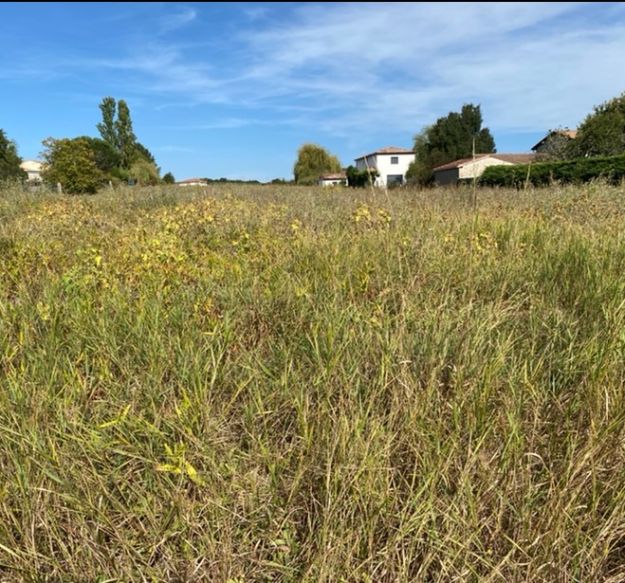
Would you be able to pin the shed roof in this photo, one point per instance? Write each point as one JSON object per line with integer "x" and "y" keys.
{"x": 511, "y": 158}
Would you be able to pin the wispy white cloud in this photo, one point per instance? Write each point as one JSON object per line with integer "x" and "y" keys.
{"x": 342, "y": 68}
{"x": 228, "y": 123}
{"x": 401, "y": 65}
{"x": 255, "y": 13}
{"x": 175, "y": 20}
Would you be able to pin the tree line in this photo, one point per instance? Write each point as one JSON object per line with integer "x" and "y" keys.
{"x": 85, "y": 163}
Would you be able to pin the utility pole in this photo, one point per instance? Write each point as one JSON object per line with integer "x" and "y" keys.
{"x": 474, "y": 178}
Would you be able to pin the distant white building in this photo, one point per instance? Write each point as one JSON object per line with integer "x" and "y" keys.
{"x": 391, "y": 163}
{"x": 33, "y": 168}
{"x": 336, "y": 179}
{"x": 469, "y": 168}
{"x": 192, "y": 182}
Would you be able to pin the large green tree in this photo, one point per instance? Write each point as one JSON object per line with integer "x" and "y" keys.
{"x": 313, "y": 161}
{"x": 451, "y": 137}
{"x": 72, "y": 163}
{"x": 116, "y": 130}
{"x": 126, "y": 138}
{"x": 602, "y": 133}
{"x": 106, "y": 156}
{"x": 9, "y": 160}
{"x": 107, "y": 129}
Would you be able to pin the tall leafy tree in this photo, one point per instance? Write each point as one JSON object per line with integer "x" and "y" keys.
{"x": 116, "y": 130}
{"x": 126, "y": 138}
{"x": 169, "y": 178}
{"x": 9, "y": 160}
{"x": 313, "y": 161}
{"x": 450, "y": 138}
{"x": 107, "y": 128}
{"x": 602, "y": 133}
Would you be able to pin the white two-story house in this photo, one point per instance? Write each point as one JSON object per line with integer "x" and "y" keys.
{"x": 391, "y": 163}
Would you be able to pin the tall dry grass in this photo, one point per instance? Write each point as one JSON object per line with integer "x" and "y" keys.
{"x": 255, "y": 384}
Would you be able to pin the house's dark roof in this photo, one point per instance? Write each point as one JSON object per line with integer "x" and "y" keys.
{"x": 388, "y": 150}
{"x": 512, "y": 158}
{"x": 571, "y": 134}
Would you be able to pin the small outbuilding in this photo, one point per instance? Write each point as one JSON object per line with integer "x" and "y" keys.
{"x": 336, "y": 179}
{"x": 33, "y": 168}
{"x": 192, "y": 182}
{"x": 470, "y": 168}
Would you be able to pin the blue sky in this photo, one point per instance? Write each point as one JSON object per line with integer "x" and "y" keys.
{"x": 234, "y": 89}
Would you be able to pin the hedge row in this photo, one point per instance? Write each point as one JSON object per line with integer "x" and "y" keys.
{"x": 544, "y": 173}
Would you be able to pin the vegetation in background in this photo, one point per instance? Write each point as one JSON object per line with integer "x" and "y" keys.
{"x": 72, "y": 163}
{"x": 449, "y": 138}
{"x": 313, "y": 161}
{"x": 556, "y": 146}
{"x": 169, "y": 178}
{"x": 267, "y": 383}
{"x": 9, "y": 160}
{"x": 144, "y": 173}
{"x": 579, "y": 170}
{"x": 106, "y": 157}
{"x": 361, "y": 178}
{"x": 116, "y": 157}
{"x": 117, "y": 131}
{"x": 602, "y": 133}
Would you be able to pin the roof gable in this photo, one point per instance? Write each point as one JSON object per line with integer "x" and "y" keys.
{"x": 565, "y": 133}
{"x": 389, "y": 150}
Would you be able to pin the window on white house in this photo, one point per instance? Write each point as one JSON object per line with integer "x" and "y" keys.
{"x": 394, "y": 159}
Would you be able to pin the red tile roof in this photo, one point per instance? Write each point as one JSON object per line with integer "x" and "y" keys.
{"x": 512, "y": 158}
{"x": 335, "y": 176}
{"x": 388, "y": 150}
{"x": 189, "y": 180}
{"x": 456, "y": 163}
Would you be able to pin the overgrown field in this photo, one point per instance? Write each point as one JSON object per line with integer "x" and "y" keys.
{"x": 255, "y": 384}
